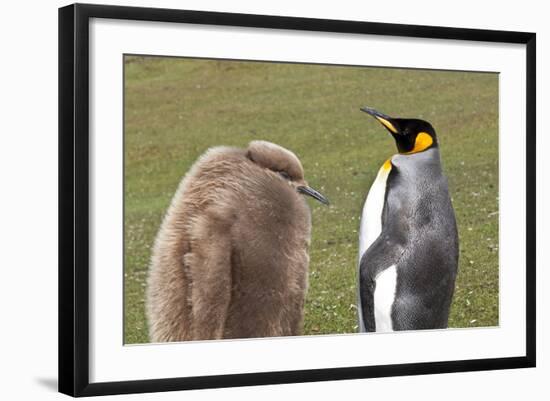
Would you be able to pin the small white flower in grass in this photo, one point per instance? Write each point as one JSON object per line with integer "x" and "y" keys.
{"x": 473, "y": 321}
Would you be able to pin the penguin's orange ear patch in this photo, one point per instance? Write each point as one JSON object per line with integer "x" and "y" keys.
{"x": 422, "y": 142}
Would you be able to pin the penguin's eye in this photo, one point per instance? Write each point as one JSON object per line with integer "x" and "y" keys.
{"x": 284, "y": 174}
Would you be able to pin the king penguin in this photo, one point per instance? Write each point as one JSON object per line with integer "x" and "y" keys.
{"x": 408, "y": 244}
{"x": 231, "y": 256}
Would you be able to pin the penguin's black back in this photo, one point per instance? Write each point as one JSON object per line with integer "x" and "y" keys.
{"x": 419, "y": 236}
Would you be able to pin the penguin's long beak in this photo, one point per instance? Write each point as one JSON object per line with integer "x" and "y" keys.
{"x": 383, "y": 119}
{"x": 313, "y": 193}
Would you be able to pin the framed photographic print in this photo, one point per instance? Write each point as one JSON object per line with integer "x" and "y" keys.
{"x": 251, "y": 199}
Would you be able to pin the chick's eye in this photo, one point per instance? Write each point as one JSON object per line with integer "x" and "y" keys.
{"x": 284, "y": 174}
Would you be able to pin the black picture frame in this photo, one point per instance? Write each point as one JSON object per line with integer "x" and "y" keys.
{"x": 74, "y": 198}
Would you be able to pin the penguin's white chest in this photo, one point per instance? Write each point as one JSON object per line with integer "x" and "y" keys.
{"x": 371, "y": 227}
{"x": 371, "y": 218}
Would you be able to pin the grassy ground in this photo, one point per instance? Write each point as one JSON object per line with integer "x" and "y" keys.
{"x": 175, "y": 109}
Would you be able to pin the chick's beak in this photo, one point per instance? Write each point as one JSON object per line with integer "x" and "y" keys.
{"x": 313, "y": 193}
{"x": 388, "y": 122}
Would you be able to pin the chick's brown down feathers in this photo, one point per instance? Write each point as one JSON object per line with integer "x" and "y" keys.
{"x": 231, "y": 257}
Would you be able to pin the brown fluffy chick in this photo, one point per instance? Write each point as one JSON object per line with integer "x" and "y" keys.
{"x": 231, "y": 257}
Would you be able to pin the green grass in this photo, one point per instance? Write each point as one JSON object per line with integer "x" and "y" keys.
{"x": 177, "y": 108}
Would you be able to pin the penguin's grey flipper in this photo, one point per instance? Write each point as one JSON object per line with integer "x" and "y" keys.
{"x": 382, "y": 254}
{"x": 209, "y": 267}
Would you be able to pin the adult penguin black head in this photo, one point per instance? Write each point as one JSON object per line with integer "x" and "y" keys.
{"x": 411, "y": 135}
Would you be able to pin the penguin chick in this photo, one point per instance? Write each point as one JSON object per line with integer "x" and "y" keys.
{"x": 408, "y": 246}
{"x": 231, "y": 257}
